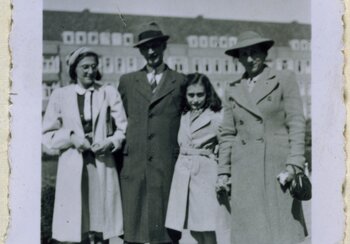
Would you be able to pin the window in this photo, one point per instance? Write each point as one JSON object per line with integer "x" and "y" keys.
{"x": 217, "y": 66}
{"x": 294, "y": 44}
{"x": 68, "y": 37}
{"x": 48, "y": 88}
{"x": 107, "y": 65}
{"x": 51, "y": 64}
{"x": 116, "y": 39}
{"x": 299, "y": 66}
{"x": 119, "y": 65}
{"x": 223, "y": 42}
{"x": 203, "y": 41}
{"x": 232, "y": 40}
{"x": 192, "y": 41}
{"x": 92, "y": 38}
{"x": 307, "y": 67}
{"x": 131, "y": 64}
{"x": 213, "y": 41}
{"x": 206, "y": 65}
{"x": 105, "y": 38}
{"x": 196, "y": 64}
{"x": 278, "y": 64}
{"x": 80, "y": 37}
{"x": 179, "y": 64}
{"x": 227, "y": 65}
{"x": 128, "y": 39}
{"x": 304, "y": 45}
{"x": 284, "y": 64}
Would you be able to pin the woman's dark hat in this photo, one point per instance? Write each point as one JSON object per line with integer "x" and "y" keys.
{"x": 247, "y": 39}
{"x": 150, "y": 32}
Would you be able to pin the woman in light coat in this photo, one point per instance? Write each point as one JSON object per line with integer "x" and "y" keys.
{"x": 193, "y": 203}
{"x": 85, "y": 122}
{"x": 261, "y": 144}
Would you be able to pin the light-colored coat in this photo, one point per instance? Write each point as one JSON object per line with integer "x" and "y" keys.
{"x": 150, "y": 153}
{"x": 61, "y": 118}
{"x": 195, "y": 175}
{"x": 262, "y": 132}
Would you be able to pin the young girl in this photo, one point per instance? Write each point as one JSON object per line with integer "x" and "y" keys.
{"x": 193, "y": 202}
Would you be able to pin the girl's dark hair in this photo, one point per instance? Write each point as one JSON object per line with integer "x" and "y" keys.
{"x": 72, "y": 68}
{"x": 212, "y": 100}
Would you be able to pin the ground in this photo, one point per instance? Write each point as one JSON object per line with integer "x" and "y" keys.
{"x": 49, "y": 175}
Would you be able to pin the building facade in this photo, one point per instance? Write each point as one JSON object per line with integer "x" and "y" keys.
{"x": 195, "y": 45}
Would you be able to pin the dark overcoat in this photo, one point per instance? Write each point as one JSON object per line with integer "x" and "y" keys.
{"x": 262, "y": 132}
{"x": 150, "y": 153}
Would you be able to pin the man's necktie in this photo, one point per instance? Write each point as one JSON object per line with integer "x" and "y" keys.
{"x": 153, "y": 81}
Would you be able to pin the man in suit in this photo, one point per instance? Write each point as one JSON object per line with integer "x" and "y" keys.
{"x": 152, "y": 99}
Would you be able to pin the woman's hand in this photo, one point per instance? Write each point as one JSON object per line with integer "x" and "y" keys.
{"x": 80, "y": 143}
{"x": 222, "y": 183}
{"x": 102, "y": 147}
{"x": 287, "y": 175}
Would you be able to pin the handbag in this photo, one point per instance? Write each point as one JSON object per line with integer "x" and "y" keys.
{"x": 300, "y": 187}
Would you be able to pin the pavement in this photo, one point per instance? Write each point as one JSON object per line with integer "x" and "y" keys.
{"x": 187, "y": 238}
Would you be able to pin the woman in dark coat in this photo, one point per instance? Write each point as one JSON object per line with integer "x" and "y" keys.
{"x": 261, "y": 143}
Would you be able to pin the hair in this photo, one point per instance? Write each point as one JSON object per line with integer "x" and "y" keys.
{"x": 72, "y": 67}
{"x": 212, "y": 100}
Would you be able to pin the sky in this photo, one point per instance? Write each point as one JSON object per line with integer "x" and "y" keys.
{"x": 256, "y": 10}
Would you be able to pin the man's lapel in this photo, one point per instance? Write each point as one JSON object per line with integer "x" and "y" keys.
{"x": 166, "y": 85}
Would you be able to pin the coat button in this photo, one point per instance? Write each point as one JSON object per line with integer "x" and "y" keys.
{"x": 243, "y": 142}
{"x": 241, "y": 122}
{"x": 150, "y": 136}
{"x": 230, "y": 99}
{"x": 150, "y": 158}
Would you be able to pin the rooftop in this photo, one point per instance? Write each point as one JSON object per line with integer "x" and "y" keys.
{"x": 55, "y": 22}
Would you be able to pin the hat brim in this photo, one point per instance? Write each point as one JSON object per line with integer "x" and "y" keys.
{"x": 147, "y": 40}
{"x": 266, "y": 43}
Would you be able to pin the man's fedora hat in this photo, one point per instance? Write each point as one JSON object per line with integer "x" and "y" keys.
{"x": 150, "y": 32}
{"x": 247, "y": 39}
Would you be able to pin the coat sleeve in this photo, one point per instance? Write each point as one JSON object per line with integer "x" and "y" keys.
{"x": 122, "y": 92}
{"x": 119, "y": 116}
{"x": 295, "y": 120}
{"x": 227, "y": 134}
{"x": 55, "y": 136}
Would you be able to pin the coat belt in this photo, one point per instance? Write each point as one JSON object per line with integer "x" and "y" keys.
{"x": 194, "y": 151}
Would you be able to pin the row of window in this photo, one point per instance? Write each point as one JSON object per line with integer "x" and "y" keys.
{"x": 211, "y": 41}
{"x": 127, "y": 39}
{"x": 299, "y": 66}
{"x": 114, "y": 64}
{"x": 302, "y": 45}
{"x": 96, "y": 38}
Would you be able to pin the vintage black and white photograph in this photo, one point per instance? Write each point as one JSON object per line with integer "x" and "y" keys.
{"x": 178, "y": 122}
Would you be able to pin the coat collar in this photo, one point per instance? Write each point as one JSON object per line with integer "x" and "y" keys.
{"x": 265, "y": 84}
{"x": 202, "y": 120}
{"x": 98, "y": 97}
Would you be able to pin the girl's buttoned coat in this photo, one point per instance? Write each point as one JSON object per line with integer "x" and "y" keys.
{"x": 262, "y": 132}
{"x": 61, "y": 119}
{"x": 150, "y": 153}
{"x": 193, "y": 184}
